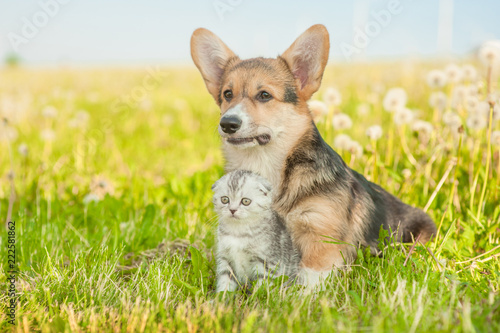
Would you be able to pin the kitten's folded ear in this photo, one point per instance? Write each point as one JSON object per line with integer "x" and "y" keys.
{"x": 214, "y": 186}
{"x": 265, "y": 187}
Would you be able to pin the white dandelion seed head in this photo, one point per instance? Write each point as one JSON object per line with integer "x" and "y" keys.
{"x": 471, "y": 103}
{"x": 342, "y": 141}
{"x": 492, "y": 97}
{"x": 395, "y": 99}
{"x": 489, "y": 53}
{"x": 460, "y": 93}
{"x": 48, "y": 135}
{"x": 454, "y": 73}
{"x": 403, "y": 116}
{"x": 167, "y": 120}
{"x": 496, "y": 112}
{"x": 374, "y": 132}
{"x": 469, "y": 72}
{"x": 332, "y": 96}
{"x": 82, "y": 115}
{"x": 436, "y": 78}
{"x": 9, "y": 109}
{"x": 438, "y": 100}
{"x": 80, "y": 119}
{"x": 495, "y": 138}
{"x": 100, "y": 186}
{"x": 452, "y": 119}
{"x": 422, "y": 127}
{"x": 70, "y": 95}
{"x": 317, "y": 108}
{"x": 146, "y": 104}
{"x": 49, "y": 111}
{"x": 476, "y": 121}
{"x": 378, "y": 87}
{"x": 355, "y": 148}
{"x": 363, "y": 109}
{"x": 482, "y": 108}
{"x": 23, "y": 149}
{"x": 91, "y": 197}
{"x": 473, "y": 89}
{"x": 341, "y": 121}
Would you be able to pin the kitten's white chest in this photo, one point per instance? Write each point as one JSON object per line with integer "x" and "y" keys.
{"x": 242, "y": 252}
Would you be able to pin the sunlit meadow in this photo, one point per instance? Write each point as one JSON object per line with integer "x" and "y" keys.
{"x": 107, "y": 174}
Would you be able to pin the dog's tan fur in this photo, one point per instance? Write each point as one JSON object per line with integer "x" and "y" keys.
{"x": 316, "y": 198}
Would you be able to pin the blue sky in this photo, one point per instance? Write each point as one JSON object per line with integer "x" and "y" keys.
{"x": 131, "y": 32}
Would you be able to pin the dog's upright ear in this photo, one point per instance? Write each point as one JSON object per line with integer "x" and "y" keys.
{"x": 210, "y": 55}
{"x": 307, "y": 58}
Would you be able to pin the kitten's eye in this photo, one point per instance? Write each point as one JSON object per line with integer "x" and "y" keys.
{"x": 246, "y": 201}
{"x": 264, "y": 96}
{"x": 224, "y": 200}
{"x": 228, "y": 95}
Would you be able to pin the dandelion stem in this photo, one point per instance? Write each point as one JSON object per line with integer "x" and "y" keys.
{"x": 473, "y": 191}
{"x": 436, "y": 115}
{"x": 488, "y": 153}
{"x": 439, "y": 228}
{"x": 406, "y": 149}
{"x": 488, "y": 161}
{"x": 439, "y": 185}
{"x": 454, "y": 179}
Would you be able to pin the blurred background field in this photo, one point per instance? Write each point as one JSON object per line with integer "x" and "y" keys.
{"x": 113, "y": 177}
{"x": 109, "y": 147}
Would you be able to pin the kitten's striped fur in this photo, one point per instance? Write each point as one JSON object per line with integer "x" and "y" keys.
{"x": 253, "y": 242}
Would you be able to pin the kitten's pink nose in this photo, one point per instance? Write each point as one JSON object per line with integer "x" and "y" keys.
{"x": 232, "y": 211}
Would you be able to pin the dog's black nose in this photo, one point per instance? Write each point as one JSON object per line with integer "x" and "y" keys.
{"x": 230, "y": 124}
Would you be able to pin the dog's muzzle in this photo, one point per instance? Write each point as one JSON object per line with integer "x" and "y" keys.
{"x": 230, "y": 124}
{"x": 237, "y": 129}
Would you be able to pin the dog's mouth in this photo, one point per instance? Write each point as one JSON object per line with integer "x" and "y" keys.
{"x": 260, "y": 139}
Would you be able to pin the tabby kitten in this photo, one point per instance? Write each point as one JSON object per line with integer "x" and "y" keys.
{"x": 253, "y": 242}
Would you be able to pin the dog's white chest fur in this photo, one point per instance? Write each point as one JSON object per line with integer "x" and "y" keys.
{"x": 266, "y": 161}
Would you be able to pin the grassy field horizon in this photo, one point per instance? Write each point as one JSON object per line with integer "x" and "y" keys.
{"x": 107, "y": 174}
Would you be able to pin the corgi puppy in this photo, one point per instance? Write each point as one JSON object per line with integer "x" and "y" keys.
{"x": 266, "y": 127}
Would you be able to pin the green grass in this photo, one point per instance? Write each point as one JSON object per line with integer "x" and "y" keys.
{"x": 141, "y": 257}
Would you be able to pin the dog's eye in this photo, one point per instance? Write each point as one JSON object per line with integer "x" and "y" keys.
{"x": 224, "y": 200}
{"x": 264, "y": 96}
{"x": 228, "y": 95}
{"x": 246, "y": 201}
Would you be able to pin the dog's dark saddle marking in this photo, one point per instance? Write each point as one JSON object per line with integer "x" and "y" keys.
{"x": 333, "y": 178}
